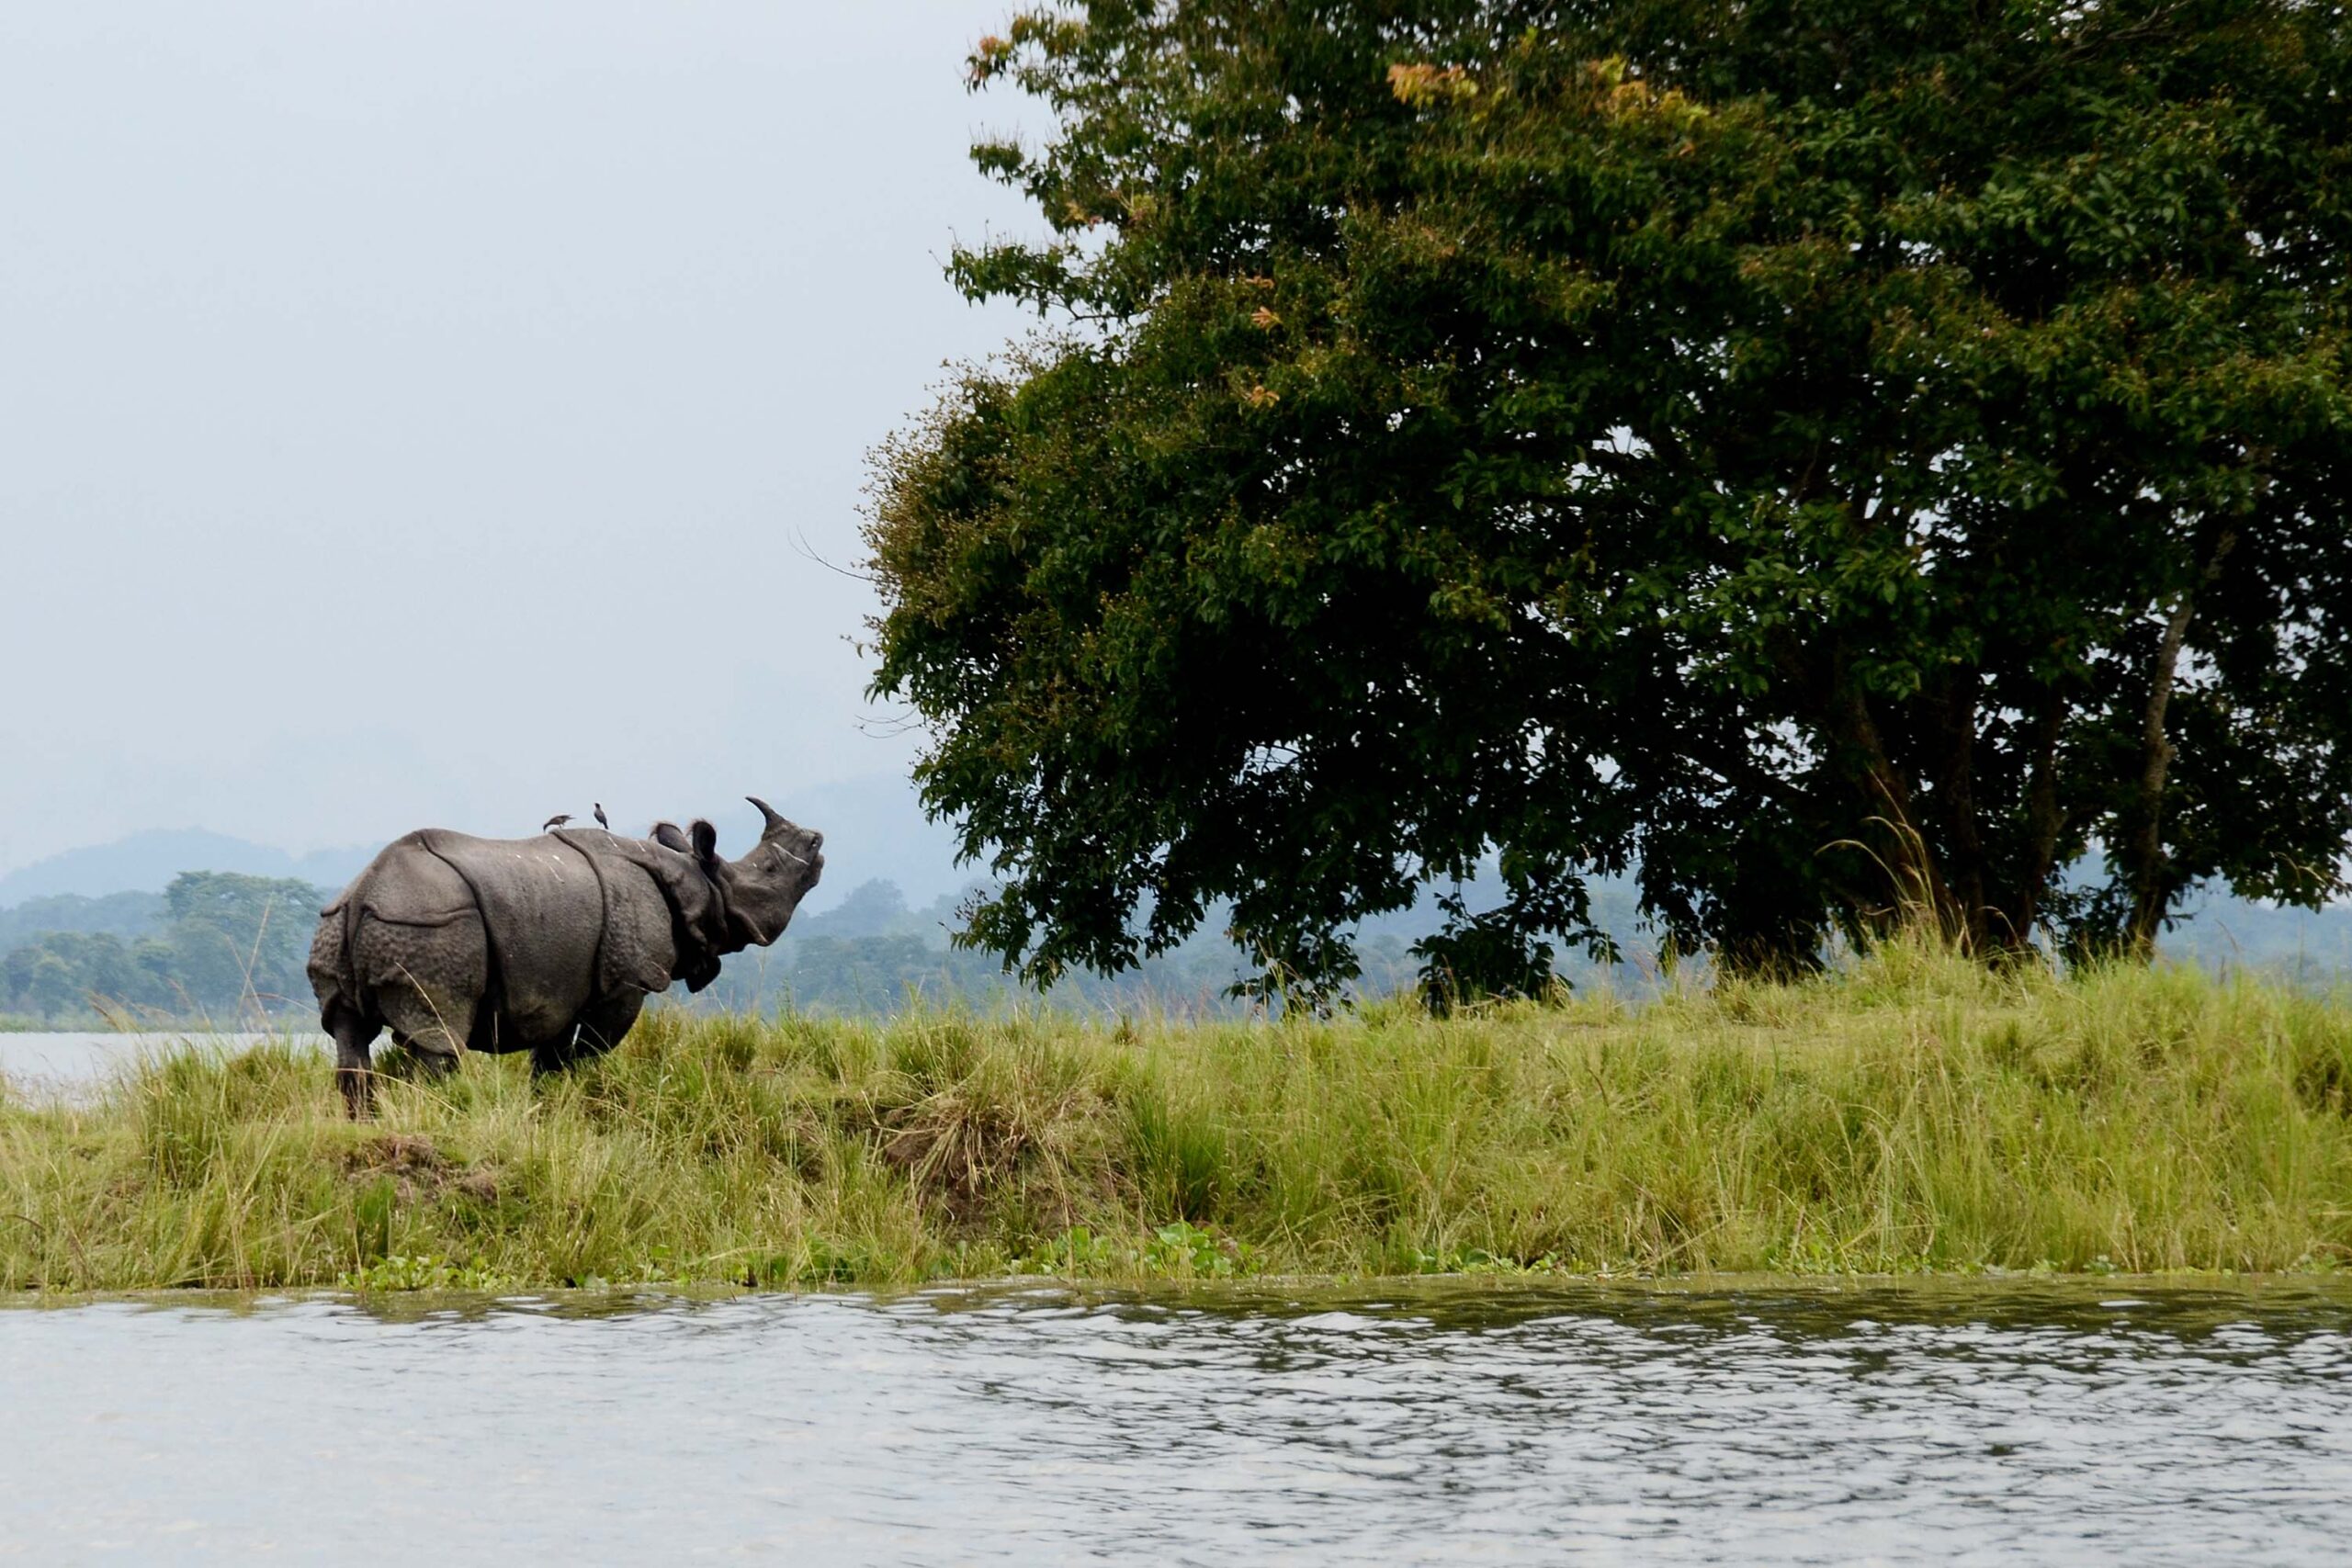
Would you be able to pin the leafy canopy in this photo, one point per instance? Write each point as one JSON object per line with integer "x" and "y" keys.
{"x": 1828, "y": 458}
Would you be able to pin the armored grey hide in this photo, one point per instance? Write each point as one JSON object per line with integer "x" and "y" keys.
{"x": 548, "y": 945}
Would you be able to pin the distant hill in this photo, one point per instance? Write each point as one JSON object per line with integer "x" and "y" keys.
{"x": 2224, "y": 933}
{"x": 873, "y": 827}
{"x": 146, "y": 862}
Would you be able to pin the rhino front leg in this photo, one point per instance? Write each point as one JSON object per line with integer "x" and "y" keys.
{"x": 601, "y": 1027}
{"x": 605, "y": 1024}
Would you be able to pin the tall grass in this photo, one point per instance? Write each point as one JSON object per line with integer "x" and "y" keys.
{"x": 1917, "y": 1113}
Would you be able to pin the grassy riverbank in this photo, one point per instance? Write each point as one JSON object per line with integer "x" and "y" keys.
{"x": 1917, "y": 1114}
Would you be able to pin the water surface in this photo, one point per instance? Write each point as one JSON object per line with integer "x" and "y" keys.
{"x": 1450, "y": 1423}
{"x": 74, "y": 1061}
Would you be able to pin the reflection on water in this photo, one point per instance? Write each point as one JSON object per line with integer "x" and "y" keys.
{"x": 1753, "y": 1423}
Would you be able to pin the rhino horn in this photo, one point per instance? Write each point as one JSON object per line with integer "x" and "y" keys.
{"x": 775, "y": 819}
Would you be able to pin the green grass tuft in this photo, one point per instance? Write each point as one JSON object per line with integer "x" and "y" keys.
{"x": 1917, "y": 1114}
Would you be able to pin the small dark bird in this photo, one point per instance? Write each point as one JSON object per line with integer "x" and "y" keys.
{"x": 554, "y": 822}
{"x": 600, "y": 815}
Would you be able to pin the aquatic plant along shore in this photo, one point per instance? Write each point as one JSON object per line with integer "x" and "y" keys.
{"x": 1918, "y": 1114}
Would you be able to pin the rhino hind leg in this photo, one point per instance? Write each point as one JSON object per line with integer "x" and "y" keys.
{"x": 425, "y": 981}
{"x": 353, "y": 1074}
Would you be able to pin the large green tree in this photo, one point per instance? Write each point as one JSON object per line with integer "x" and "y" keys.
{"x": 239, "y": 939}
{"x": 1838, "y": 459}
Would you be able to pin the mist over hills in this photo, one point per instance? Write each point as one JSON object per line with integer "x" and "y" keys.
{"x": 146, "y": 862}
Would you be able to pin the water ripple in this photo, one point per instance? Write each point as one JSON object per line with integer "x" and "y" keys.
{"x": 1756, "y": 1424}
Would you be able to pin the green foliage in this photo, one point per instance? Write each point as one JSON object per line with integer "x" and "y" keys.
{"x": 126, "y": 915}
{"x": 1173, "y": 1251}
{"x": 226, "y": 945}
{"x": 1844, "y": 460}
{"x": 242, "y": 936}
{"x": 1920, "y": 1113}
{"x": 434, "y": 1273}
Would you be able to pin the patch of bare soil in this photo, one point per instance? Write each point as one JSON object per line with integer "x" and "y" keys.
{"x": 418, "y": 1166}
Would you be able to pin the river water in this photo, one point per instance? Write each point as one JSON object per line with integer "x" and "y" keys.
{"x": 76, "y": 1060}
{"x": 1454, "y": 1422}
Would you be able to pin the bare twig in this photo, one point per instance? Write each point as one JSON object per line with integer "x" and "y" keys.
{"x": 801, "y": 547}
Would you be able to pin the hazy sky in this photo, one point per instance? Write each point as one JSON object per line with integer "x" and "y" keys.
{"x": 408, "y": 410}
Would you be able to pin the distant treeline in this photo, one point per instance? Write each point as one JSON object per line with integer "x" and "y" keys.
{"x": 214, "y": 944}
{"x": 873, "y": 952}
{"x": 222, "y": 946}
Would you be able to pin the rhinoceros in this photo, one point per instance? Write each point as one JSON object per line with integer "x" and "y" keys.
{"x": 548, "y": 945}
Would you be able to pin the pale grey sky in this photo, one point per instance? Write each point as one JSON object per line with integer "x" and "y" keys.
{"x": 407, "y": 410}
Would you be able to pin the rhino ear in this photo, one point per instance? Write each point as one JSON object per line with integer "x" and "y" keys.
{"x": 667, "y": 835}
{"x": 706, "y": 838}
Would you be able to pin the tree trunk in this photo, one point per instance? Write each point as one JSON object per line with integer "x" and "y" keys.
{"x": 2151, "y": 891}
{"x": 1908, "y": 860}
{"x": 1965, "y": 918}
{"x": 2043, "y": 822}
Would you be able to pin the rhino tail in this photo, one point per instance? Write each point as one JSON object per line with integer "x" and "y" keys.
{"x": 332, "y": 978}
